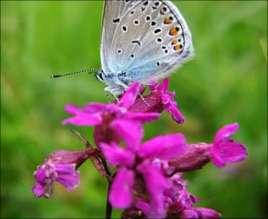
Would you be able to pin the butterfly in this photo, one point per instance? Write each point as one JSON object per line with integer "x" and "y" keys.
{"x": 142, "y": 41}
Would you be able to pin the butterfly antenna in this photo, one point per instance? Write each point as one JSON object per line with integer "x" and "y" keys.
{"x": 89, "y": 71}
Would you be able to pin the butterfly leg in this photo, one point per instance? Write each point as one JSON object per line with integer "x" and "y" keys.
{"x": 122, "y": 84}
{"x": 125, "y": 86}
{"x": 115, "y": 91}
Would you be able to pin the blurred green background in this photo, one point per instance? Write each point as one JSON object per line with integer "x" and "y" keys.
{"x": 224, "y": 83}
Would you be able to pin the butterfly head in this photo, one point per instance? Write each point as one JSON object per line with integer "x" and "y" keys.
{"x": 114, "y": 85}
{"x": 100, "y": 76}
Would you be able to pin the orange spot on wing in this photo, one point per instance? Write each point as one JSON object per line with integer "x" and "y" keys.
{"x": 174, "y": 31}
{"x": 174, "y": 41}
{"x": 178, "y": 47}
{"x": 167, "y": 20}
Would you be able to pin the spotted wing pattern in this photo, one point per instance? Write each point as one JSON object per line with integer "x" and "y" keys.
{"x": 145, "y": 39}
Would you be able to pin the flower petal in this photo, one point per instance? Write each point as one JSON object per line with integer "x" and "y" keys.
{"x": 39, "y": 189}
{"x": 208, "y": 213}
{"x": 72, "y": 109}
{"x": 226, "y": 132}
{"x": 84, "y": 119}
{"x": 142, "y": 117}
{"x": 63, "y": 168}
{"x": 226, "y": 152}
{"x": 65, "y": 156}
{"x": 116, "y": 155}
{"x": 95, "y": 107}
{"x": 164, "y": 147}
{"x": 156, "y": 184}
{"x": 130, "y": 131}
{"x": 200, "y": 213}
{"x": 130, "y": 95}
{"x": 121, "y": 189}
{"x": 168, "y": 100}
{"x": 40, "y": 174}
{"x": 160, "y": 87}
{"x": 189, "y": 214}
{"x": 164, "y": 85}
{"x": 174, "y": 111}
{"x": 69, "y": 181}
{"x": 143, "y": 206}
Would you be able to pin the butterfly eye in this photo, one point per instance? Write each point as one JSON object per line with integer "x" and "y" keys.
{"x": 99, "y": 76}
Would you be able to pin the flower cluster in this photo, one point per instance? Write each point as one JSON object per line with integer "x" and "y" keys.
{"x": 147, "y": 177}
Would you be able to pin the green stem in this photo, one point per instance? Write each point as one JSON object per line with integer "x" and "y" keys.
{"x": 109, "y": 209}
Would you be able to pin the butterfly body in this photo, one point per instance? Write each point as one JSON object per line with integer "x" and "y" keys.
{"x": 142, "y": 41}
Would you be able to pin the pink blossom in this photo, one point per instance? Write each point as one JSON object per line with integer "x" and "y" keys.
{"x": 60, "y": 167}
{"x": 180, "y": 202}
{"x": 158, "y": 100}
{"x": 102, "y": 115}
{"x": 136, "y": 159}
{"x": 225, "y": 150}
{"x": 147, "y": 181}
{"x": 97, "y": 113}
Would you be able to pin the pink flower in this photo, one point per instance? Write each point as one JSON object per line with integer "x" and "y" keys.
{"x": 180, "y": 202}
{"x": 136, "y": 161}
{"x": 97, "y": 113}
{"x": 168, "y": 100}
{"x": 60, "y": 167}
{"x": 224, "y": 149}
{"x": 102, "y": 115}
{"x": 158, "y": 100}
{"x": 177, "y": 196}
{"x": 148, "y": 180}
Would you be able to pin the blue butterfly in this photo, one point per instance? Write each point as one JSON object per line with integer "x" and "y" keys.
{"x": 142, "y": 41}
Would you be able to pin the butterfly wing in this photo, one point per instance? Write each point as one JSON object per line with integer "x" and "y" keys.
{"x": 113, "y": 13}
{"x": 150, "y": 39}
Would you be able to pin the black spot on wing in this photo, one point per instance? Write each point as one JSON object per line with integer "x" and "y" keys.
{"x": 116, "y": 20}
{"x": 136, "y": 42}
